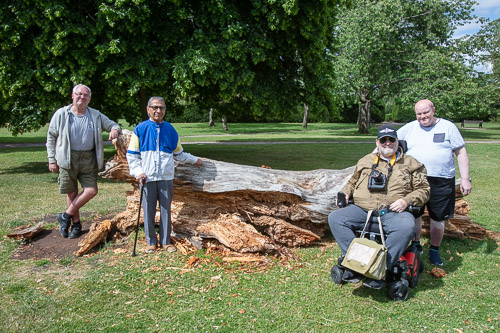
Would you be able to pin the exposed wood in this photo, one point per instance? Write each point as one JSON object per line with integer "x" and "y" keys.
{"x": 97, "y": 234}
{"x": 460, "y": 225}
{"x": 244, "y": 208}
{"x": 26, "y": 232}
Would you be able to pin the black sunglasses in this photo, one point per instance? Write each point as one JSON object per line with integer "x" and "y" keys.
{"x": 385, "y": 138}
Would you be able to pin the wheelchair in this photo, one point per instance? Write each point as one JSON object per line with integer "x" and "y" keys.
{"x": 402, "y": 276}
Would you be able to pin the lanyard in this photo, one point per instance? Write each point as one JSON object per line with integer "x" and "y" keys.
{"x": 391, "y": 163}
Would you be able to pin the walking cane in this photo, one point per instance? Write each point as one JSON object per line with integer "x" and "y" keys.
{"x": 138, "y": 217}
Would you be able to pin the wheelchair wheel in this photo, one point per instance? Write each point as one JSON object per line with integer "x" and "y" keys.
{"x": 398, "y": 291}
{"x": 414, "y": 279}
{"x": 336, "y": 274}
{"x": 420, "y": 264}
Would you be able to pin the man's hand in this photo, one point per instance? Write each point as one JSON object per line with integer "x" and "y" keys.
{"x": 53, "y": 167}
{"x": 199, "y": 163}
{"x": 142, "y": 178}
{"x": 113, "y": 134}
{"x": 465, "y": 186}
{"x": 398, "y": 206}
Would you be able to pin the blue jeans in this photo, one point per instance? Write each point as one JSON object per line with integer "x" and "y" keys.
{"x": 398, "y": 229}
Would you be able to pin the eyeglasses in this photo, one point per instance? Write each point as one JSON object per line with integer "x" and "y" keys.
{"x": 157, "y": 107}
{"x": 82, "y": 95}
{"x": 385, "y": 138}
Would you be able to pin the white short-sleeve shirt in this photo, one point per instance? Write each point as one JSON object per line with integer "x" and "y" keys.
{"x": 433, "y": 146}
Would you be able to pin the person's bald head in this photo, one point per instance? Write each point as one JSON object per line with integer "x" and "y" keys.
{"x": 424, "y": 111}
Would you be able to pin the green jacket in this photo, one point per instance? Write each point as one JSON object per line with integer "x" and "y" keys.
{"x": 58, "y": 146}
{"x": 408, "y": 180}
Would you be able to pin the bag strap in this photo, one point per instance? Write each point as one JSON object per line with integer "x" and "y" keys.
{"x": 381, "y": 230}
{"x": 368, "y": 215}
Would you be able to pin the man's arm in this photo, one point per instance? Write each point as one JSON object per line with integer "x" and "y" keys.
{"x": 134, "y": 159}
{"x": 348, "y": 188}
{"x": 421, "y": 188}
{"x": 110, "y": 126}
{"x": 52, "y": 135}
{"x": 463, "y": 166}
{"x": 183, "y": 157}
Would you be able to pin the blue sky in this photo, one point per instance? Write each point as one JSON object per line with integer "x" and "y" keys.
{"x": 483, "y": 8}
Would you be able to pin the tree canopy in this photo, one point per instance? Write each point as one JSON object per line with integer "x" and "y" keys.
{"x": 259, "y": 56}
{"x": 257, "y": 59}
{"x": 403, "y": 49}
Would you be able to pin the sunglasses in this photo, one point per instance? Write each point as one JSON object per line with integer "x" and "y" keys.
{"x": 385, "y": 138}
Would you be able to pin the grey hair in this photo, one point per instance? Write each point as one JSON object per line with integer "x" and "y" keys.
{"x": 158, "y": 98}
{"x": 81, "y": 85}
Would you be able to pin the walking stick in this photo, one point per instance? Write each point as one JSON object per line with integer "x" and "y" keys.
{"x": 138, "y": 217}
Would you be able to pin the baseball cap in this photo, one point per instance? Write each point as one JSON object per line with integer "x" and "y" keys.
{"x": 386, "y": 131}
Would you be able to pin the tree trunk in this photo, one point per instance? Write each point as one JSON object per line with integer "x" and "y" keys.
{"x": 210, "y": 117}
{"x": 143, "y": 103}
{"x": 243, "y": 208}
{"x": 224, "y": 122}
{"x": 364, "y": 114}
{"x": 306, "y": 116}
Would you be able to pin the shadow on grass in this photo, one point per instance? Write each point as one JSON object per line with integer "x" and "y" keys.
{"x": 452, "y": 253}
{"x": 35, "y": 168}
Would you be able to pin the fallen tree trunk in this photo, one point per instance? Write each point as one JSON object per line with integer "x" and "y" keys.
{"x": 460, "y": 225}
{"x": 247, "y": 209}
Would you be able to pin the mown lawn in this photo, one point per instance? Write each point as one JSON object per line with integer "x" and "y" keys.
{"x": 114, "y": 292}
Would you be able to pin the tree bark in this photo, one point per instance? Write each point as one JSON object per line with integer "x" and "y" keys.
{"x": 210, "y": 117}
{"x": 26, "y": 232}
{"x": 143, "y": 103}
{"x": 306, "y": 116}
{"x": 224, "y": 122}
{"x": 364, "y": 114}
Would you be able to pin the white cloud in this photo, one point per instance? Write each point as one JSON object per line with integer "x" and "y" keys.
{"x": 487, "y": 8}
{"x": 467, "y": 29}
{"x": 484, "y": 8}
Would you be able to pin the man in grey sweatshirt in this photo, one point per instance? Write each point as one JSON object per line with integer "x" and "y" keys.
{"x": 75, "y": 151}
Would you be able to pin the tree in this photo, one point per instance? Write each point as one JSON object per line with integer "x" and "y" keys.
{"x": 259, "y": 63}
{"x": 112, "y": 46}
{"x": 259, "y": 56}
{"x": 385, "y": 47}
{"x": 486, "y": 47}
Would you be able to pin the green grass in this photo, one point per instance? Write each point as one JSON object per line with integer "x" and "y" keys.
{"x": 115, "y": 292}
{"x": 241, "y": 132}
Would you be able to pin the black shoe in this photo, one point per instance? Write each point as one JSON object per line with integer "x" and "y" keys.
{"x": 351, "y": 277}
{"x": 63, "y": 224}
{"x": 435, "y": 258}
{"x": 374, "y": 284}
{"x": 76, "y": 229}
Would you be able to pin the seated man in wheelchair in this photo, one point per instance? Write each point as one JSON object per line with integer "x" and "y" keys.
{"x": 385, "y": 182}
